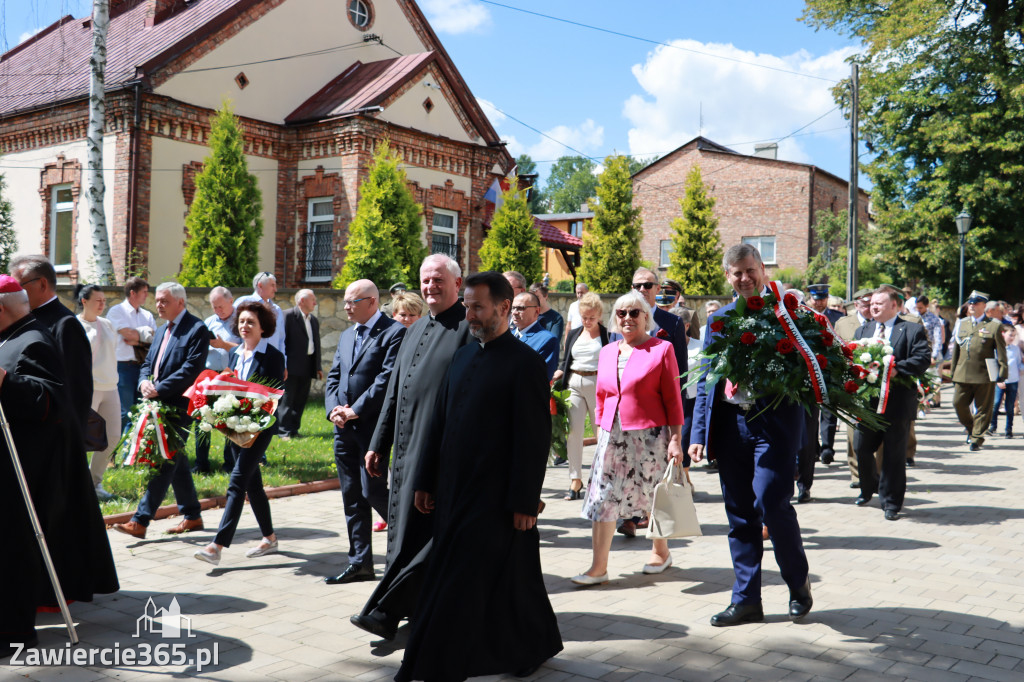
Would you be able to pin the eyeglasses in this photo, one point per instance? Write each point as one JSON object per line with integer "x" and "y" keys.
{"x": 632, "y": 312}
{"x": 522, "y": 308}
{"x": 29, "y": 281}
{"x": 358, "y": 300}
{"x": 644, "y": 285}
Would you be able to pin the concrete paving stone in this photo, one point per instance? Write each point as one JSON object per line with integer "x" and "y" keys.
{"x": 816, "y": 666}
{"x": 1005, "y": 662}
{"x": 985, "y": 672}
{"x": 750, "y": 670}
{"x": 964, "y": 654}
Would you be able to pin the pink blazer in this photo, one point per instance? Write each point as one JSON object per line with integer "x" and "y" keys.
{"x": 649, "y": 394}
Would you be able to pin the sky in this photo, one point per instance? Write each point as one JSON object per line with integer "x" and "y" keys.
{"x": 738, "y": 72}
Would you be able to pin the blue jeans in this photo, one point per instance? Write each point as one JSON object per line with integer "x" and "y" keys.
{"x": 1010, "y": 395}
{"x": 127, "y": 388}
{"x": 174, "y": 474}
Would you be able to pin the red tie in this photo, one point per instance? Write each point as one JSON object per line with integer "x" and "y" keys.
{"x": 163, "y": 347}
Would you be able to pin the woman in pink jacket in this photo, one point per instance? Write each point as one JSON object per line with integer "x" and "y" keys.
{"x": 640, "y": 414}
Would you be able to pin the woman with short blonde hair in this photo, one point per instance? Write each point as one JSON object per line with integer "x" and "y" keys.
{"x": 406, "y": 307}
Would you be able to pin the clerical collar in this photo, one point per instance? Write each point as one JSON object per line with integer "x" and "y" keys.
{"x": 451, "y": 313}
{"x": 50, "y": 301}
{"x": 495, "y": 340}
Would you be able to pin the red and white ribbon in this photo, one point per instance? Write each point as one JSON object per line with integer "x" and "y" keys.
{"x": 789, "y": 326}
{"x": 138, "y": 439}
{"x": 211, "y": 383}
{"x": 888, "y": 370}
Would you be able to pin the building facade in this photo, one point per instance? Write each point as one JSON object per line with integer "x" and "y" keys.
{"x": 316, "y": 86}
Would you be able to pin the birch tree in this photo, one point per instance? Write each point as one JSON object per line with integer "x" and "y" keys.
{"x": 97, "y": 115}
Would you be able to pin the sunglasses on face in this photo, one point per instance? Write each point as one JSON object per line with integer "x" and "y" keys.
{"x": 644, "y": 285}
{"x": 632, "y": 312}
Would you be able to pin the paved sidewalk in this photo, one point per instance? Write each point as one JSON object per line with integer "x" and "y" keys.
{"x": 934, "y": 596}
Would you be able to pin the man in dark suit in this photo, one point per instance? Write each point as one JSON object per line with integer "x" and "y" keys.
{"x": 302, "y": 352}
{"x": 756, "y": 447}
{"x": 353, "y": 397}
{"x": 529, "y": 330}
{"x": 912, "y": 356}
{"x": 175, "y": 360}
{"x": 666, "y": 325}
{"x": 37, "y": 276}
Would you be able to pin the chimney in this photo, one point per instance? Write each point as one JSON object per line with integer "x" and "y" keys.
{"x": 768, "y": 150}
{"x": 158, "y": 10}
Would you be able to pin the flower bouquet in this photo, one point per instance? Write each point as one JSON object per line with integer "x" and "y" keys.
{"x": 928, "y": 386}
{"x": 238, "y": 409}
{"x": 773, "y": 347}
{"x": 874, "y": 363}
{"x": 148, "y": 441}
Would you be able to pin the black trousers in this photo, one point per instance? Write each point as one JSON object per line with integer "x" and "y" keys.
{"x": 289, "y": 412}
{"x": 808, "y": 452}
{"x": 246, "y": 479}
{"x": 891, "y": 484}
{"x": 827, "y": 432}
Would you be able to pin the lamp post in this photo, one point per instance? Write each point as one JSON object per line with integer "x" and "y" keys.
{"x": 963, "y": 226}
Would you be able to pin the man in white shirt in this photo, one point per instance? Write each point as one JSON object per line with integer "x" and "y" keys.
{"x": 573, "y": 318}
{"x": 222, "y": 340}
{"x": 135, "y": 326}
{"x": 264, "y": 286}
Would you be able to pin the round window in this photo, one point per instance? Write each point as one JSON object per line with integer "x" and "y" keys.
{"x": 359, "y": 13}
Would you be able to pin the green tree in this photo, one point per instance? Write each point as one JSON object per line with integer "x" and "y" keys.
{"x": 828, "y": 266}
{"x": 384, "y": 239}
{"x": 538, "y": 200}
{"x": 225, "y": 222}
{"x": 8, "y": 239}
{"x": 942, "y": 110}
{"x": 611, "y": 245}
{"x": 513, "y": 243}
{"x": 696, "y": 258}
{"x": 571, "y": 182}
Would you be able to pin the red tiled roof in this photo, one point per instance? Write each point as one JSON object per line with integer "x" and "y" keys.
{"x": 53, "y": 65}
{"x": 360, "y": 86}
{"x": 550, "y": 235}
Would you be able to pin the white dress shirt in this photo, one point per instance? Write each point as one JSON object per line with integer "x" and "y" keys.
{"x": 124, "y": 316}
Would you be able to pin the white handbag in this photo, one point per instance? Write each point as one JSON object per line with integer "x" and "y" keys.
{"x": 673, "y": 514}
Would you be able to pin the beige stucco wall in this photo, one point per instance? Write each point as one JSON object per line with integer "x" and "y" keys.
{"x": 408, "y": 111}
{"x": 167, "y": 206}
{"x": 295, "y": 27}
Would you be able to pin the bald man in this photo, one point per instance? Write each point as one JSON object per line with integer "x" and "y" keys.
{"x": 302, "y": 353}
{"x": 353, "y": 396}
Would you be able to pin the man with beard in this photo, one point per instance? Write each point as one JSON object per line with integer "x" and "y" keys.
{"x": 49, "y": 447}
{"x": 405, "y": 421}
{"x": 485, "y": 506}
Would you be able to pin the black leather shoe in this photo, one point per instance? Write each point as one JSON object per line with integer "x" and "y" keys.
{"x": 201, "y": 470}
{"x": 526, "y": 672}
{"x": 803, "y": 496}
{"x": 975, "y": 447}
{"x": 827, "y": 456}
{"x": 800, "y": 602}
{"x": 354, "y": 573}
{"x": 911, "y": 462}
{"x": 854, "y": 485}
{"x": 862, "y": 500}
{"x": 737, "y": 614}
{"x": 891, "y": 514}
{"x": 376, "y": 623}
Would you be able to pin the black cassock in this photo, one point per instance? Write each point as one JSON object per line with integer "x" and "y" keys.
{"x": 405, "y": 422}
{"x": 483, "y": 609}
{"x": 50, "y": 450}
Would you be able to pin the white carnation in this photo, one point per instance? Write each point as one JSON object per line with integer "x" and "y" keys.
{"x": 258, "y": 403}
{"x": 865, "y": 357}
{"x": 245, "y": 421}
{"x": 205, "y": 426}
{"x": 887, "y": 350}
{"x": 872, "y": 378}
{"x": 206, "y": 410}
{"x": 232, "y": 423}
{"x": 253, "y": 428}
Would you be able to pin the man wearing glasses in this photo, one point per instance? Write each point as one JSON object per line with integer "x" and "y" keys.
{"x": 264, "y": 287}
{"x": 525, "y": 310}
{"x": 666, "y": 325}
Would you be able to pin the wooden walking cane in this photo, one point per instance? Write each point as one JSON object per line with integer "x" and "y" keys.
{"x": 23, "y": 484}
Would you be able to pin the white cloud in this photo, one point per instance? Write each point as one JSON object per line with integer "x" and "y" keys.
{"x": 28, "y": 34}
{"x": 456, "y": 16}
{"x": 741, "y": 103}
{"x": 493, "y": 115}
{"x": 587, "y": 137}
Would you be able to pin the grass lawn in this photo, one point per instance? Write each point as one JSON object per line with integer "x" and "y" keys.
{"x": 310, "y": 458}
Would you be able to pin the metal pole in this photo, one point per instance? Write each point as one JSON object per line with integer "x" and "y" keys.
{"x": 851, "y": 272}
{"x": 23, "y": 484}
{"x": 960, "y": 301}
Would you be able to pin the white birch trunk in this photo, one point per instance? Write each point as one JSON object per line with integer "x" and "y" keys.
{"x": 104, "y": 267}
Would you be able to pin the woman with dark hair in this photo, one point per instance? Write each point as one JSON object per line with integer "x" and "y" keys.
{"x": 105, "y": 399}
{"x": 253, "y": 359}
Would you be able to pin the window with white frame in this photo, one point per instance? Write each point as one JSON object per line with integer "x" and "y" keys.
{"x": 665, "y": 253}
{"x": 765, "y": 246}
{"x": 359, "y": 13}
{"x": 319, "y": 236}
{"x": 444, "y": 233}
{"x": 62, "y": 212}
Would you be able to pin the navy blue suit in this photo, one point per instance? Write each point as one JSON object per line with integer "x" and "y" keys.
{"x": 756, "y": 462}
{"x": 671, "y": 328}
{"x": 183, "y": 360}
{"x": 361, "y": 383}
{"x": 246, "y": 478}
{"x": 545, "y": 343}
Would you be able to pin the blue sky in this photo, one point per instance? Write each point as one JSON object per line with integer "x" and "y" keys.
{"x": 602, "y": 93}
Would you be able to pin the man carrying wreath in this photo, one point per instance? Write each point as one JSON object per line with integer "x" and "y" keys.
{"x": 756, "y": 447}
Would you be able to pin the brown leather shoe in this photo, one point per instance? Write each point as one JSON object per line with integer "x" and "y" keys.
{"x": 764, "y": 533}
{"x": 136, "y": 530}
{"x": 186, "y": 526}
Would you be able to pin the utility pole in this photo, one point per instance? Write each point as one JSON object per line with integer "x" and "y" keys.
{"x": 97, "y": 115}
{"x": 851, "y": 243}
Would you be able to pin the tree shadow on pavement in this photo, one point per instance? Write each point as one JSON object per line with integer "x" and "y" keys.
{"x": 966, "y": 515}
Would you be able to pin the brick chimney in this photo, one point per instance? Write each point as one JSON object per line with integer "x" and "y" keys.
{"x": 158, "y": 10}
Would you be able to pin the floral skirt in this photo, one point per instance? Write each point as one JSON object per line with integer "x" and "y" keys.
{"x": 627, "y": 466}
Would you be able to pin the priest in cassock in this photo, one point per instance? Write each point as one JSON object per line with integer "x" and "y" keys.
{"x": 480, "y": 478}
{"x": 404, "y": 423}
{"x": 49, "y": 446}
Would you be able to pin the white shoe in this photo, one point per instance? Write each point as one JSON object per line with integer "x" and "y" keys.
{"x": 652, "y": 569}
{"x": 588, "y": 580}
{"x": 103, "y": 494}
{"x": 206, "y": 555}
{"x": 262, "y": 549}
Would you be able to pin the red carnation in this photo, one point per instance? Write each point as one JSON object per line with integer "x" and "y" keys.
{"x": 821, "y": 319}
{"x": 748, "y": 338}
{"x": 822, "y": 361}
{"x": 785, "y": 346}
{"x": 198, "y": 399}
{"x": 848, "y": 352}
{"x": 851, "y": 386}
{"x": 791, "y": 301}
{"x": 717, "y": 326}
{"x": 662, "y": 334}
{"x": 755, "y": 302}
{"x": 859, "y": 371}
{"x": 827, "y": 338}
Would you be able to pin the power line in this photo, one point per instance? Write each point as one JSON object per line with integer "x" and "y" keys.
{"x": 651, "y": 41}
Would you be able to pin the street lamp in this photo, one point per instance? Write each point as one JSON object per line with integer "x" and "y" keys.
{"x": 963, "y": 226}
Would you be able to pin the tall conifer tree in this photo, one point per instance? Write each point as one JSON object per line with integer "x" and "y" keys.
{"x": 696, "y": 258}
{"x": 8, "y": 239}
{"x": 513, "y": 243}
{"x": 611, "y": 245}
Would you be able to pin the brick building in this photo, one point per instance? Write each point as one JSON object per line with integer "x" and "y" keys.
{"x": 316, "y": 85}
{"x": 759, "y": 200}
